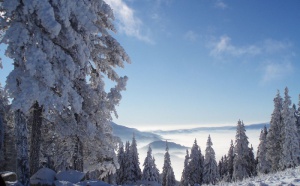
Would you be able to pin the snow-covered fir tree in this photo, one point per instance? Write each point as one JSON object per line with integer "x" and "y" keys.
{"x": 274, "y": 147}
{"x": 297, "y": 115}
{"x": 263, "y": 165}
{"x": 55, "y": 49}
{"x": 185, "y": 173}
{"x": 4, "y": 111}
{"x": 251, "y": 163}
{"x": 150, "y": 172}
{"x": 290, "y": 154}
{"x": 156, "y": 172}
{"x": 230, "y": 162}
{"x": 168, "y": 177}
{"x": 128, "y": 178}
{"x": 241, "y": 150}
{"x": 221, "y": 166}
{"x": 135, "y": 169}
{"x": 195, "y": 165}
{"x": 120, "y": 173}
{"x": 210, "y": 172}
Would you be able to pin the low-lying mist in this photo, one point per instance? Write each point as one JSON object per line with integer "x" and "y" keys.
{"x": 221, "y": 143}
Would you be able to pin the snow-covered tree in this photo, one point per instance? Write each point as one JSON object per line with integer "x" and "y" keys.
{"x": 230, "y": 162}
{"x": 274, "y": 141}
{"x": 156, "y": 174}
{"x": 195, "y": 166}
{"x": 241, "y": 150}
{"x": 297, "y": 115}
{"x": 251, "y": 163}
{"x": 4, "y": 111}
{"x": 135, "y": 163}
{"x": 290, "y": 154}
{"x": 128, "y": 178}
{"x": 150, "y": 172}
{"x": 221, "y": 166}
{"x": 121, "y": 160}
{"x": 56, "y": 46}
{"x": 168, "y": 177}
{"x": 185, "y": 173}
{"x": 210, "y": 172}
{"x": 263, "y": 165}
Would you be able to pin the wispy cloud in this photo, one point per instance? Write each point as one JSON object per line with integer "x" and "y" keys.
{"x": 272, "y": 46}
{"x": 224, "y": 47}
{"x": 273, "y": 57}
{"x": 190, "y": 36}
{"x": 220, "y": 4}
{"x": 276, "y": 71}
{"x": 127, "y": 22}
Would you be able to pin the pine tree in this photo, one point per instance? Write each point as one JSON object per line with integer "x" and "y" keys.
{"x": 290, "y": 154}
{"x": 168, "y": 177}
{"x": 120, "y": 173}
{"x": 225, "y": 169}
{"x": 4, "y": 112}
{"x": 221, "y": 168}
{"x": 135, "y": 163}
{"x": 297, "y": 115}
{"x": 274, "y": 140}
{"x": 263, "y": 165}
{"x": 195, "y": 166}
{"x": 150, "y": 172}
{"x": 210, "y": 172}
{"x": 60, "y": 60}
{"x": 230, "y": 161}
{"x": 156, "y": 174}
{"x": 241, "y": 150}
{"x": 185, "y": 173}
{"x": 251, "y": 163}
{"x": 128, "y": 177}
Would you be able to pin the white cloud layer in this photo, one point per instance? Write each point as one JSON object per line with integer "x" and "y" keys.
{"x": 127, "y": 22}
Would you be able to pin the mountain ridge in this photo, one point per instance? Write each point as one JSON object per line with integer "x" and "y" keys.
{"x": 196, "y": 129}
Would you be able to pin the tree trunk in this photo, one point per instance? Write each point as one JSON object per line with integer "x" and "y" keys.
{"x": 78, "y": 150}
{"x": 10, "y": 152}
{"x": 2, "y": 128}
{"x": 23, "y": 171}
{"x": 78, "y": 158}
{"x": 35, "y": 140}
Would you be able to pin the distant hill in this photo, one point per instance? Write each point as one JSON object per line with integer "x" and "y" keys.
{"x": 161, "y": 145}
{"x": 125, "y": 133}
{"x": 178, "y": 131}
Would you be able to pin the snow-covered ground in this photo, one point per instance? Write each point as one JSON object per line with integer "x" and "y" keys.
{"x": 288, "y": 177}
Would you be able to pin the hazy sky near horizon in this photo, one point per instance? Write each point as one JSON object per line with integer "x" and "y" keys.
{"x": 202, "y": 62}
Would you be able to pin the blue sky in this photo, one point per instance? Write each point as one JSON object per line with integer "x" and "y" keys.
{"x": 205, "y": 62}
